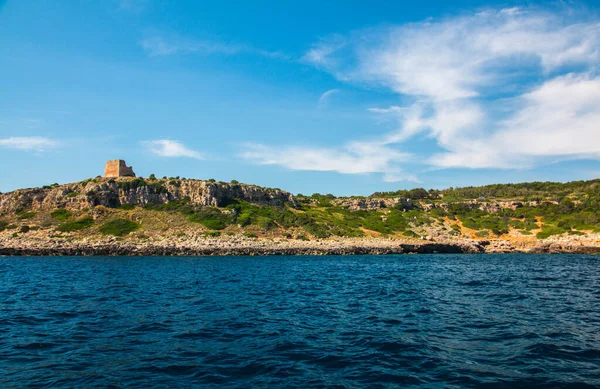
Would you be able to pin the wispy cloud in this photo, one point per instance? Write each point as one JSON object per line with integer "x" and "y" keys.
{"x": 158, "y": 45}
{"x": 353, "y": 158}
{"x": 170, "y": 148}
{"x": 31, "y": 143}
{"x": 500, "y": 88}
{"x": 325, "y": 97}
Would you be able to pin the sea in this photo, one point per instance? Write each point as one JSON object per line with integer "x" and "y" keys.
{"x": 432, "y": 321}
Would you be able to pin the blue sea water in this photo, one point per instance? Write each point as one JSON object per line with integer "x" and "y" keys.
{"x": 341, "y": 322}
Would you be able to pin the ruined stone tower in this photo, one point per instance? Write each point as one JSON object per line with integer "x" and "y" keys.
{"x": 118, "y": 168}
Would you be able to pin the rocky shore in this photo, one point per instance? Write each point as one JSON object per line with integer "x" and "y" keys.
{"x": 202, "y": 246}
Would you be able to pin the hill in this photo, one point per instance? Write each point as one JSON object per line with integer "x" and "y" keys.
{"x": 205, "y": 216}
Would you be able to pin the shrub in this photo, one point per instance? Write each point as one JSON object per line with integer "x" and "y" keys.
{"x": 235, "y": 182}
{"x": 410, "y": 233}
{"x": 549, "y": 231}
{"x": 119, "y": 227}
{"x": 25, "y": 215}
{"x": 61, "y": 214}
{"x": 250, "y": 235}
{"x": 24, "y": 229}
{"x": 132, "y": 184}
{"x": 211, "y": 180}
{"x": 127, "y": 207}
{"x": 76, "y": 225}
{"x": 302, "y": 237}
{"x": 152, "y": 177}
{"x": 180, "y": 234}
{"x": 211, "y": 218}
{"x": 482, "y": 234}
{"x": 72, "y": 194}
{"x": 212, "y": 234}
{"x": 3, "y": 225}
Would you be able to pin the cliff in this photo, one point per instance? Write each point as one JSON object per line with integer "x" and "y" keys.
{"x": 114, "y": 192}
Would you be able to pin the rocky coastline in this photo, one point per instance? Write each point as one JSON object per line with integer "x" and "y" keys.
{"x": 241, "y": 246}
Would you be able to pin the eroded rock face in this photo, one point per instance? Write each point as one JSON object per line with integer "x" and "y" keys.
{"x": 114, "y": 192}
{"x": 371, "y": 203}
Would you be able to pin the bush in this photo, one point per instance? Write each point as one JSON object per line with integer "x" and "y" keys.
{"x": 61, "y": 214}
{"x": 211, "y": 218}
{"x": 127, "y": 207}
{"x": 24, "y": 229}
{"x": 152, "y": 177}
{"x": 132, "y": 184}
{"x": 235, "y": 182}
{"x": 119, "y": 227}
{"x": 250, "y": 235}
{"x": 25, "y": 215}
{"x": 3, "y": 225}
{"x": 76, "y": 225}
{"x": 72, "y": 194}
{"x": 212, "y": 234}
{"x": 548, "y": 231}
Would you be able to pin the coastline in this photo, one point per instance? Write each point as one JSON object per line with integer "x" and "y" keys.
{"x": 273, "y": 247}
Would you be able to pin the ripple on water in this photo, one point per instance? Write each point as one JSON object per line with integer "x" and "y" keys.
{"x": 348, "y": 322}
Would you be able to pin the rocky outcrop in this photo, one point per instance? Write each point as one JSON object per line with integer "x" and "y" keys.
{"x": 371, "y": 203}
{"x": 115, "y": 192}
{"x": 227, "y": 246}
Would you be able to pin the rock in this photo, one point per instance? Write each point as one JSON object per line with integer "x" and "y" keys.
{"x": 113, "y": 192}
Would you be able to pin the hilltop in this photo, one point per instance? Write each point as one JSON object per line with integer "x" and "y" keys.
{"x": 134, "y": 215}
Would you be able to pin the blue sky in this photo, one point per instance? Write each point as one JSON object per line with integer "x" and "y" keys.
{"x": 312, "y": 96}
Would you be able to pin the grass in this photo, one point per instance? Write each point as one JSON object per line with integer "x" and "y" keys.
{"x": 61, "y": 214}
{"x": 119, "y": 227}
{"x": 80, "y": 224}
{"x": 548, "y": 231}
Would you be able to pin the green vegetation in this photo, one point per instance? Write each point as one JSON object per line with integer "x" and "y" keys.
{"x": 155, "y": 187}
{"x": 211, "y": 218}
{"x": 250, "y": 235}
{"x": 61, "y": 214}
{"x": 72, "y": 194}
{"x": 76, "y": 225}
{"x": 119, "y": 227}
{"x": 212, "y": 234}
{"x": 549, "y": 231}
{"x": 3, "y": 225}
{"x": 25, "y": 215}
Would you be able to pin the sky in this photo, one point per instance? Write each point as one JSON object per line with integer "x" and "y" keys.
{"x": 341, "y": 97}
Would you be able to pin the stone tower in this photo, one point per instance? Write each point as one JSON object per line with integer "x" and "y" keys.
{"x": 118, "y": 168}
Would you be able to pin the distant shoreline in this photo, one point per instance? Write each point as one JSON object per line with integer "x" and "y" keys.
{"x": 270, "y": 248}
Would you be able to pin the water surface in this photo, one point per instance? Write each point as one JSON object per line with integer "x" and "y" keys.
{"x": 360, "y": 321}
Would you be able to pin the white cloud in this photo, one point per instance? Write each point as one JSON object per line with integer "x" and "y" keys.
{"x": 170, "y": 148}
{"x": 157, "y": 46}
{"x": 507, "y": 88}
{"x": 32, "y": 143}
{"x": 325, "y": 97}
{"x": 320, "y": 53}
{"x": 353, "y": 158}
